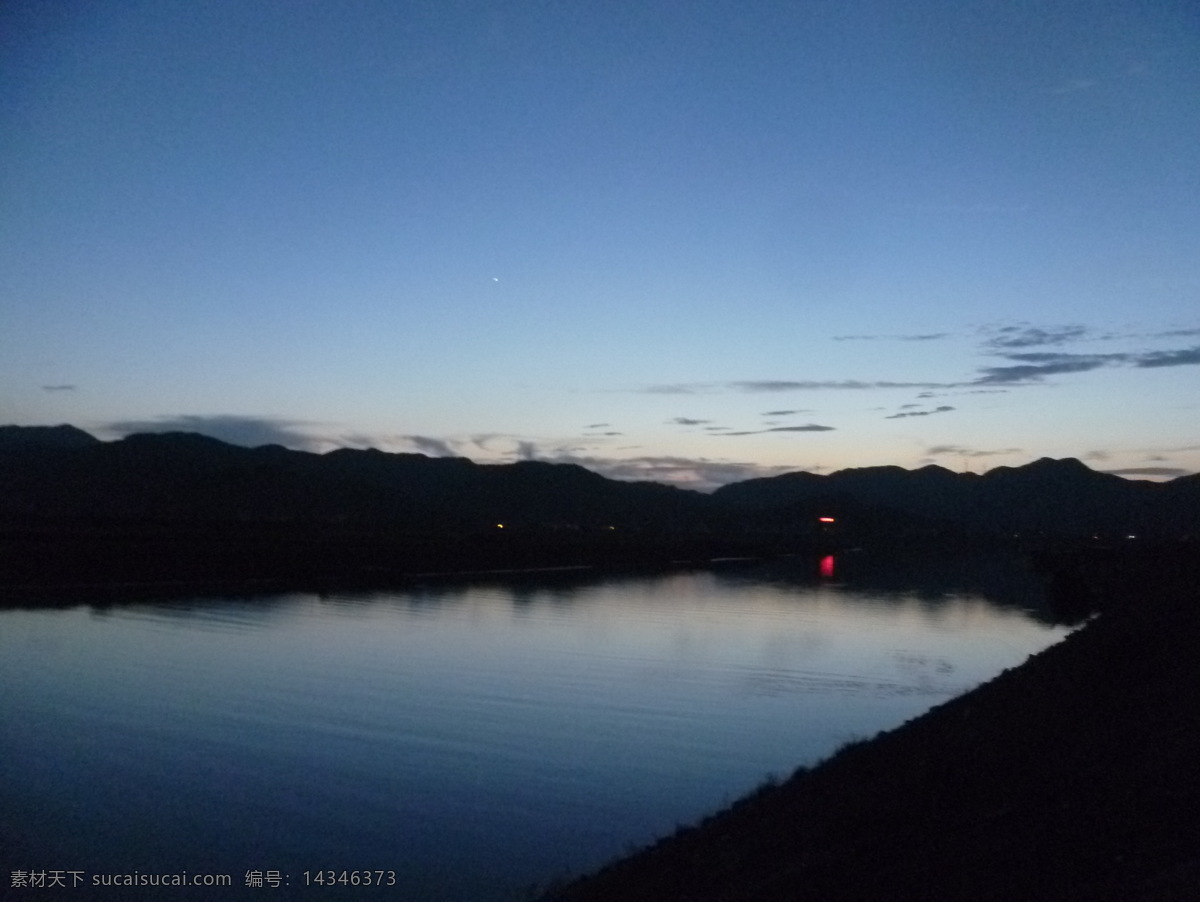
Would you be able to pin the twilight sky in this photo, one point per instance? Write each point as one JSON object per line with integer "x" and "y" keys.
{"x": 684, "y": 241}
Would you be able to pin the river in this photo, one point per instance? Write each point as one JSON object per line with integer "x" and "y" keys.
{"x": 459, "y": 739}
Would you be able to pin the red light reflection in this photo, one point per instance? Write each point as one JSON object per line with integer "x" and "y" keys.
{"x": 827, "y": 567}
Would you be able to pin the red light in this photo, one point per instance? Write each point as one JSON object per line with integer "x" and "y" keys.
{"x": 827, "y": 519}
{"x": 827, "y": 567}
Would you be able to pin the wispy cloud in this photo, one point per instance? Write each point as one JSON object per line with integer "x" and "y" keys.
{"x": 945, "y": 408}
{"x": 1013, "y": 343}
{"x": 810, "y": 427}
{"x": 930, "y": 336}
{"x": 1179, "y": 449}
{"x": 493, "y": 442}
{"x": 249, "y": 431}
{"x": 1027, "y": 336}
{"x": 1034, "y": 366}
{"x": 1036, "y": 372}
{"x": 58, "y": 388}
{"x": 782, "y": 413}
{"x": 686, "y": 421}
{"x": 679, "y": 388}
{"x": 1183, "y": 357}
{"x": 778, "y": 385}
{"x": 962, "y": 451}
{"x": 1054, "y": 357}
{"x": 433, "y": 447}
{"x": 1149, "y": 471}
{"x": 760, "y": 386}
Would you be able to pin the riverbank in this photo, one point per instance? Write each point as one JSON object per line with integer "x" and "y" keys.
{"x": 1071, "y": 777}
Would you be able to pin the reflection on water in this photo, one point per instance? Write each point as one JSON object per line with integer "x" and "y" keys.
{"x": 475, "y": 736}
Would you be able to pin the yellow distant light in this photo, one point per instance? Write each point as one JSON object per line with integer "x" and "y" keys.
{"x": 499, "y": 525}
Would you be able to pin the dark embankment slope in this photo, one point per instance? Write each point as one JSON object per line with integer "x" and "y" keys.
{"x": 1075, "y": 776}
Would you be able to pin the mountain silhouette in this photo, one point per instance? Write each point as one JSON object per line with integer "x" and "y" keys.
{"x": 45, "y": 437}
{"x": 189, "y": 477}
{"x": 85, "y": 504}
{"x": 1052, "y": 499}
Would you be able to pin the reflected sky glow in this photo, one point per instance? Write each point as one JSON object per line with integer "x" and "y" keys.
{"x": 468, "y": 730}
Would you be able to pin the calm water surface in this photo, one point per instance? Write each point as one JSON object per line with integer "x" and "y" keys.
{"x": 474, "y": 737}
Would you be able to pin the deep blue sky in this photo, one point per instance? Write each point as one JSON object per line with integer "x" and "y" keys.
{"x": 693, "y": 241}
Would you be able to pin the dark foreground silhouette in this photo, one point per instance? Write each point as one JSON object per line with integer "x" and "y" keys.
{"x": 1075, "y": 776}
{"x": 185, "y": 508}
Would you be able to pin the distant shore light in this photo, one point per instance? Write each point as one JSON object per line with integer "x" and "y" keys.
{"x": 827, "y": 519}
